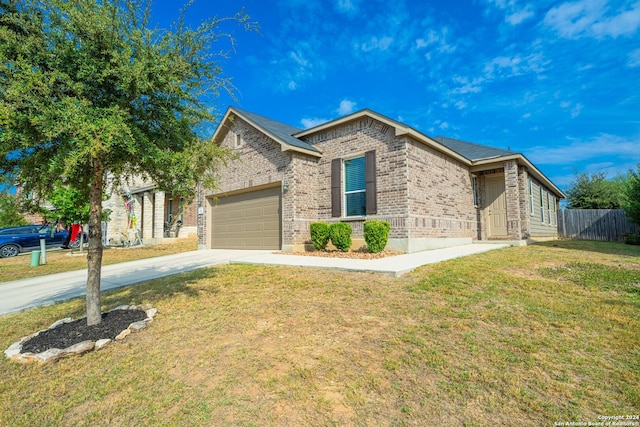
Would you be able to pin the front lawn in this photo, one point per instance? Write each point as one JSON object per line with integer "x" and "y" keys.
{"x": 531, "y": 335}
{"x": 59, "y": 261}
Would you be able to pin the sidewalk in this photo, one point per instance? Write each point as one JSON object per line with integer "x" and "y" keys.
{"x": 28, "y": 293}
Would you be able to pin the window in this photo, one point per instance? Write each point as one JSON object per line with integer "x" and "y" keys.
{"x": 353, "y": 186}
{"x": 355, "y": 203}
{"x": 549, "y": 207}
{"x": 474, "y": 186}
{"x": 532, "y": 205}
{"x": 541, "y": 205}
{"x": 238, "y": 140}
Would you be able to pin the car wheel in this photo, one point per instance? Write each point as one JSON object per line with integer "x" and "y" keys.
{"x": 9, "y": 251}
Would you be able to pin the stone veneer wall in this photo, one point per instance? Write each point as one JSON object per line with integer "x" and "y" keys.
{"x": 440, "y": 195}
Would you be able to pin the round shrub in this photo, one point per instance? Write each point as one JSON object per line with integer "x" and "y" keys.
{"x": 341, "y": 235}
{"x": 319, "y": 235}
{"x": 376, "y": 234}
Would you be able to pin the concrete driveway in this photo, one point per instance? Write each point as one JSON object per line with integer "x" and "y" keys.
{"x": 34, "y": 292}
{"x": 28, "y": 293}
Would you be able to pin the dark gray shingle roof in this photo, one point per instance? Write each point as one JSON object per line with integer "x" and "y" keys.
{"x": 470, "y": 150}
{"x": 280, "y": 130}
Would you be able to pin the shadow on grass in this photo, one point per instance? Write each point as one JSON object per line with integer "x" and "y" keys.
{"x": 615, "y": 248}
{"x": 159, "y": 289}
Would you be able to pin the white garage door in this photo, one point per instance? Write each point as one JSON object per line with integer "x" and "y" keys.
{"x": 247, "y": 221}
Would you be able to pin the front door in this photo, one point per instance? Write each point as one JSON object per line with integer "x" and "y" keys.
{"x": 496, "y": 210}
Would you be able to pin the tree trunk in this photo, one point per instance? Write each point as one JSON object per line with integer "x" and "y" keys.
{"x": 94, "y": 255}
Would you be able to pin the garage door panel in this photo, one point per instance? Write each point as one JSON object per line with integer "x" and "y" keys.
{"x": 254, "y": 227}
{"x": 247, "y": 221}
{"x": 253, "y": 213}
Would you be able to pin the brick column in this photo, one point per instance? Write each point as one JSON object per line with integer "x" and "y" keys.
{"x": 523, "y": 186}
{"x": 512, "y": 190}
{"x": 147, "y": 216}
{"x": 158, "y": 215}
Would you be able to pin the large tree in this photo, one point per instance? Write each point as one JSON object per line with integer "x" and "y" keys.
{"x": 10, "y": 214}
{"x": 631, "y": 204}
{"x": 595, "y": 191}
{"x": 90, "y": 88}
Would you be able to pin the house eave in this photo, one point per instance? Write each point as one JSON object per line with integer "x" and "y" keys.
{"x": 284, "y": 146}
{"x": 399, "y": 128}
{"x": 498, "y": 162}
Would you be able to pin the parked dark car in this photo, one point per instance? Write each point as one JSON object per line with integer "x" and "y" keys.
{"x": 14, "y": 240}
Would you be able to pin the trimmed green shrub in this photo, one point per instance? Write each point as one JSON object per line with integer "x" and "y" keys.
{"x": 376, "y": 234}
{"x": 319, "y": 235}
{"x": 632, "y": 239}
{"x": 341, "y": 235}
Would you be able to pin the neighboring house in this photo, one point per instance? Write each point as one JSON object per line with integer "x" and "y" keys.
{"x": 142, "y": 212}
{"x": 435, "y": 192}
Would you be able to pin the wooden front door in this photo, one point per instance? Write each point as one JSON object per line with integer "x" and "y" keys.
{"x": 496, "y": 207}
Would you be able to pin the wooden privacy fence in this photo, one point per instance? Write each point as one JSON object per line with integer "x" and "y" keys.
{"x": 594, "y": 224}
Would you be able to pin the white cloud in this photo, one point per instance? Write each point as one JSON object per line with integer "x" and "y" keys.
{"x": 349, "y": 7}
{"x": 346, "y": 107}
{"x": 515, "y": 14}
{"x": 437, "y": 40}
{"x": 466, "y": 85}
{"x": 593, "y": 18}
{"x": 375, "y": 43}
{"x": 575, "y": 111}
{"x": 579, "y": 151}
{"x": 507, "y": 66}
{"x": 633, "y": 59}
{"x": 298, "y": 66}
{"x": 308, "y": 123}
{"x": 521, "y": 15}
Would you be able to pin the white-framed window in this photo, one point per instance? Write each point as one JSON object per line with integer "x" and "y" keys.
{"x": 238, "y": 140}
{"x": 541, "y": 204}
{"x": 474, "y": 186}
{"x": 355, "y": 202}
{"x": 549, "y": 208}
{"x": 532, "y": 205}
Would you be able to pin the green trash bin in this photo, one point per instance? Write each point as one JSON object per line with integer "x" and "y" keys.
{"x": 35, "y": 258}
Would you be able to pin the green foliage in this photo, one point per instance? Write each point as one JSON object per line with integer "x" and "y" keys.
{"x": 595, "y": 192}
{"x": 86, "y": 84}
{"x": 10, "y": 211}
{"x": 89, "y": 87}
{"x": 70, "y": 206}
{"x": 631, "y": 204}
{"x": 340, "y": 233}
{"x": 632, "y": 239}
{"x": 319, "y": 235}
{"x": 376, "y": 234}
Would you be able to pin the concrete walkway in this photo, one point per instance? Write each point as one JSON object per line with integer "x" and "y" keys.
{"x": 23, "y": 294}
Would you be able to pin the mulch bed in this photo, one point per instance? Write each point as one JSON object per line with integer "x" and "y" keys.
{"x": 357, "y": 254}
{"x": 68, "y": 334}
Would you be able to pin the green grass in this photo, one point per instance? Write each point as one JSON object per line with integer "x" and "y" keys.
{"x": 518, "y": 336}
{"x": 59, "y": 261}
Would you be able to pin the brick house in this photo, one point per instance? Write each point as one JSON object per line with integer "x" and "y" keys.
{"x": 435, "y": 192}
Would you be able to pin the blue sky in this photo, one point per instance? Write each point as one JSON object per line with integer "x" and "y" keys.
{"x": 558, "y": 81}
